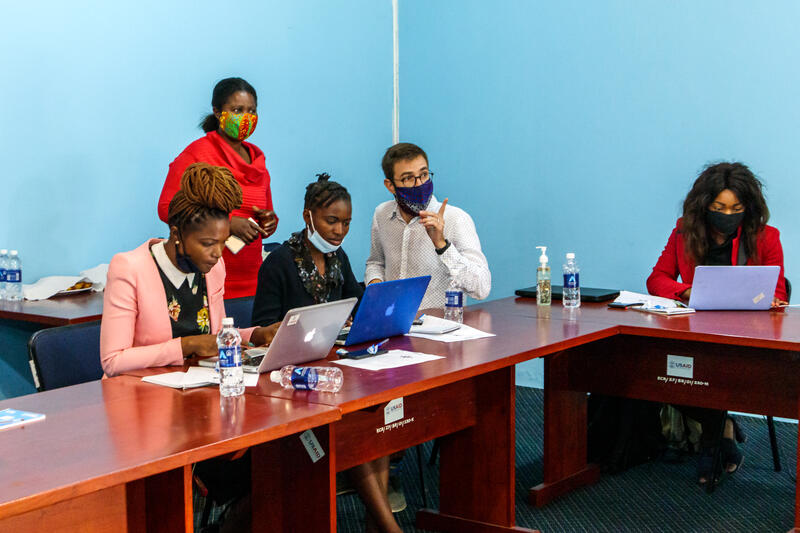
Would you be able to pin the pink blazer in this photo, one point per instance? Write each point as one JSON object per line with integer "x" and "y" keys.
{"x": 136, "y": 331}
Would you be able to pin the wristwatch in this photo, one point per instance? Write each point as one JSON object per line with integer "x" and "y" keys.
{"x": 444, "y": 248}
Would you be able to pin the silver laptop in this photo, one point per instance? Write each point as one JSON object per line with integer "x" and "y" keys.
{"x": 736, "y": 288}
{"x": 305, "y": 334}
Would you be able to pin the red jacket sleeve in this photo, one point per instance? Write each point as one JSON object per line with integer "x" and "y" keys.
{"x": 173, "y": 182}
{"x": 663, "y": 281}
{"x": 771, "y": 253}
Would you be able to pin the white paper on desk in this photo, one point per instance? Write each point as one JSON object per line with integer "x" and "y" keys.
{"x": 97, "y": 276}
{"x": 48, "y": 286}
{"x": 391, "y": 359}
{"x": 177, "y": 380}
{"x": 197, "y": 373}
{"x": 52, "y": 285}
{"x": 628, "y": 297}
{"x": 464, "y": 333}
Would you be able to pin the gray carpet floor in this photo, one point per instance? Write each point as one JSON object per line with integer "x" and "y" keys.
{"x": 659, "y": 496}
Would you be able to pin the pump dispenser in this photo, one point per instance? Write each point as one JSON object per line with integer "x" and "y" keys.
{"x": 543, "y": 295}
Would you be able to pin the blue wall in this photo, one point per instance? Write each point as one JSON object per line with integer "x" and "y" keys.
{"x": 100, "y": 99}
{"x": 581, "y": 125}
{"x": 521, "y": 105}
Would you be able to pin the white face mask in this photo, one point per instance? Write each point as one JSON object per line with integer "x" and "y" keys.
{"x": 316, "y": 239}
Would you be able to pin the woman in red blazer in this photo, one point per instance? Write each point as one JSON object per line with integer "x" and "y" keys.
{"x": 233, "y": 120}
{"x": 724, "y": 223}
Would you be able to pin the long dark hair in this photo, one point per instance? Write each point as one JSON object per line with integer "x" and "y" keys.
{"x": 222, "y": 91}
{"x": 712, "y": 181}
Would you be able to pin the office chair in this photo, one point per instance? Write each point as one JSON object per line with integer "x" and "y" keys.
{"x": 66, "y": 355}
{"x": 773, "y": 439}
{"x": 241, "y": 310}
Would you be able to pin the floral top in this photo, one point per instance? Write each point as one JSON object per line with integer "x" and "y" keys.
{"x": 317, "y": 285}
{"x": 188, "y": 305}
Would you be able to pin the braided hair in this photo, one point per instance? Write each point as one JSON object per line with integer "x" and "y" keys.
{"x": 324, "y": 192}
{"x": 206, "y": 192}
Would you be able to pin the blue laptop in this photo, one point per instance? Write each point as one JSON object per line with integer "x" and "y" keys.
{"x": 387, "y": 309}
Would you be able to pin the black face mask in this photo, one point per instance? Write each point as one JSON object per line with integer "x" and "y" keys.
{"x": 184, "y": 262}
{"x": 725, "y": 224}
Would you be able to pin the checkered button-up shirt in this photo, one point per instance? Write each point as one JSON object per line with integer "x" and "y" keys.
{"x": 401, "y": 250}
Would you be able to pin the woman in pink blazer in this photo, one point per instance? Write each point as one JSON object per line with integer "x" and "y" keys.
{"x": 163, "y": 301}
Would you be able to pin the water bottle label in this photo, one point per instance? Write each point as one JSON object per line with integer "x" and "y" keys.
{"x": 454, "y": 299}
{"x": 230, "y": 356}
{"x": 304, "y": 378}
{"x": 14, "y": 276}
{"x": 572, "y": 280}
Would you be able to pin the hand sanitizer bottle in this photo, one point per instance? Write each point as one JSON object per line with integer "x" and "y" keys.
{"x": 543, "y": 295}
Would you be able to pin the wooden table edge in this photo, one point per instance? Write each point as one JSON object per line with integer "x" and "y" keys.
{"x": 164, "y": 464}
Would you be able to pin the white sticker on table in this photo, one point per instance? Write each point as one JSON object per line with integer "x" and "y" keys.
{"x": 680, "y": 366}
{"x": 312, "y": 445}
{"x": 393, "y": 411}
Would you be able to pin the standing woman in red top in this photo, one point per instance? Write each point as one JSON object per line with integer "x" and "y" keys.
{"x": 233, "y": 120}
{"x": 724, "y": 223}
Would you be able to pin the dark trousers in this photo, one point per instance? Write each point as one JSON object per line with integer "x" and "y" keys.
{"x": 711, "y": 420}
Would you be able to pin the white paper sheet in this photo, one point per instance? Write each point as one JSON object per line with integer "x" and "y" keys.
{"x": 653, "y": 304}
{"x": 195, "y": 376}
{"x": 51, "y": 285}
{"x": 391, "y": 359}
{"x": 628, "y": 297}
{"x": 464, "y": 333}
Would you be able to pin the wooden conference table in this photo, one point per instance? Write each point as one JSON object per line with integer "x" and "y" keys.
{"x": 467, "y": 398}
{"x": 56, "y": 311}
{"x": 733, "y": 360}
{"x": 115, "y": 455}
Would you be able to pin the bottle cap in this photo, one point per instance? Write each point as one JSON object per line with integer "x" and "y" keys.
{"x": 570, "y": 255}
{"x": 227, "y": 321}
{"x": 275, "y": 376}
{"x": 543, "y": 257}
{"x": 14, "y": 252}
{"x": 3, "y": 251}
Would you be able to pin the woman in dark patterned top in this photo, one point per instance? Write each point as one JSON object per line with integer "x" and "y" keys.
{"x": 311, "y": 268}
{"x": 298, "y": 273}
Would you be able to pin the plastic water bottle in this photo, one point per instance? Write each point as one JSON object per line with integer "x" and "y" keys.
{"x": 13, "y": 276}
{"x": 3, "y": 266}
{"x": 454, "y": 304}
{"x": 319, "y": 378}
{"x": 231, "y": 375}
{"x": 572, "y": 283}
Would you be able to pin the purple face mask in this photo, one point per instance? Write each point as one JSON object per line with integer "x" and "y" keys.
{"x": 414, "y": 199}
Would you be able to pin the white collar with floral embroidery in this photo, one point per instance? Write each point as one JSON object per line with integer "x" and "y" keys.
{"x": 175, "y": 276}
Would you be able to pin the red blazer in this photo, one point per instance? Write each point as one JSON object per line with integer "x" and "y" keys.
{"x": 136, "y": 331}
{"x": 663, "y": 281}
{"x": 254, "y": 179}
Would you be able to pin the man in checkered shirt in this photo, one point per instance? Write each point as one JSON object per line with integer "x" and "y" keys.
{"x": 416, "y": 235}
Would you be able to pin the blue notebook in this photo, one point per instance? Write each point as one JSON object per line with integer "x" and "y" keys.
{"x": 10, "y": 418}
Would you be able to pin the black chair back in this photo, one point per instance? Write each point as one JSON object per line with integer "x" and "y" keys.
{"x": 241, "y": 310}
{"x": 788, "y": 289}
{"x": 65, "y": 356}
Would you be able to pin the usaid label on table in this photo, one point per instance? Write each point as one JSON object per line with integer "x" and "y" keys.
{"x": 312, "y": 445}
{"x": 393, "y": 411}
{"x": 680, "y": 366}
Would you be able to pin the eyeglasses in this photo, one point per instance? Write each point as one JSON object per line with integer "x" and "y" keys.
{"x": 410, "y": 181}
